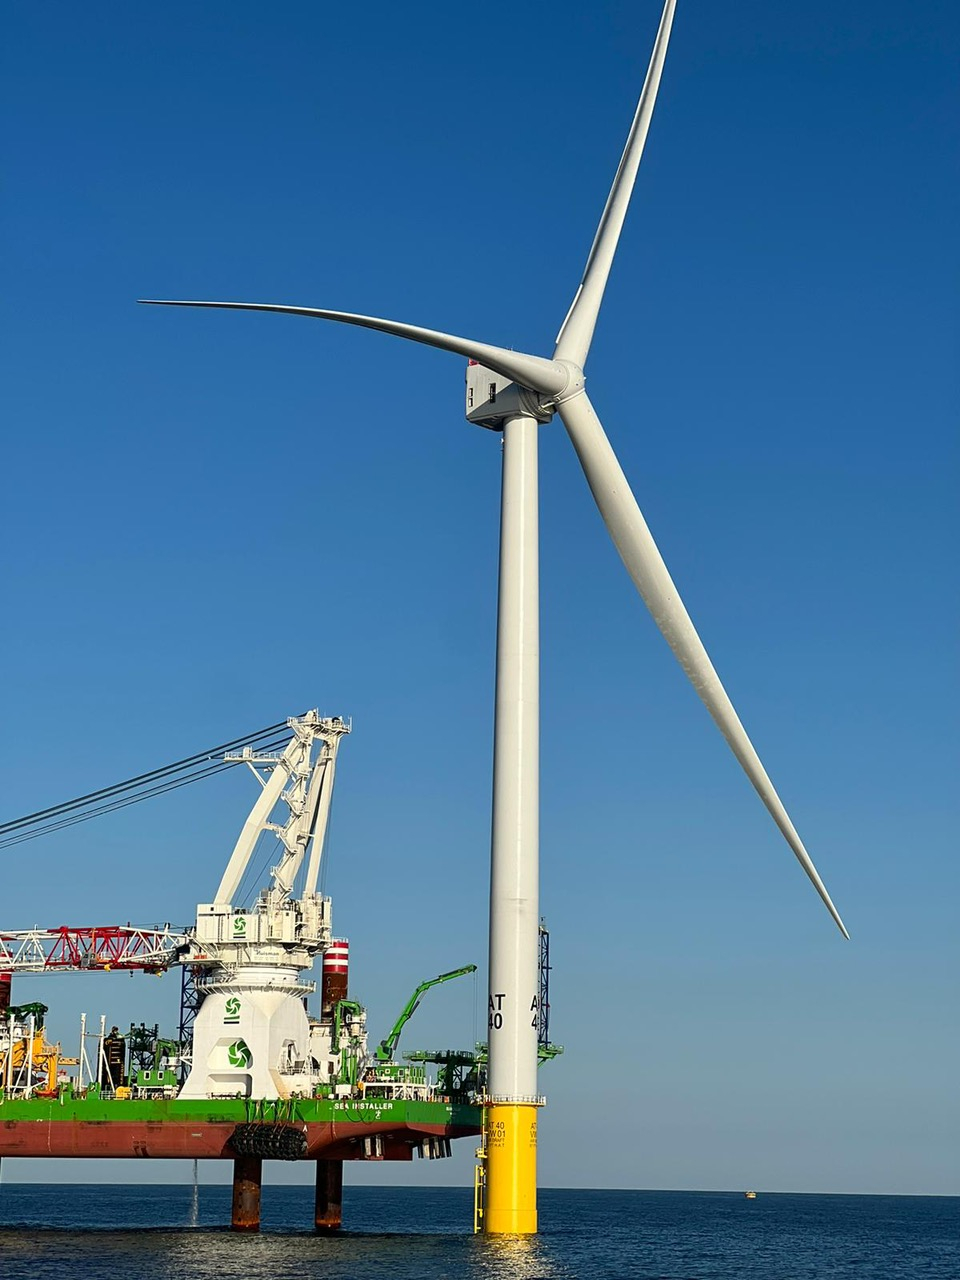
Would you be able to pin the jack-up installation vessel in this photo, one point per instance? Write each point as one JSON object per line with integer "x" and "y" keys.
{"x": 252, "y": 1074}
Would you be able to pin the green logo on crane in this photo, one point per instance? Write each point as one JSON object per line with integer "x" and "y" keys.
{"x": 231, "y": 1010}
{"x": 239, "y": 1054}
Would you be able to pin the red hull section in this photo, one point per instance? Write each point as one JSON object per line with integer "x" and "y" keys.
{"x": 167, "y": 1140}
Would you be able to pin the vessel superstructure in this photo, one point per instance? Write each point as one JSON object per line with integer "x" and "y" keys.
{"x": 255, "y": 1074}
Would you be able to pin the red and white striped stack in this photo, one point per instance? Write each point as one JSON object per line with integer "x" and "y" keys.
{"x": 336, "y": 965}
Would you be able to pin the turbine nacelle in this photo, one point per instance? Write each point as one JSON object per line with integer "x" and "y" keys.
{"x": 491, "y": 398}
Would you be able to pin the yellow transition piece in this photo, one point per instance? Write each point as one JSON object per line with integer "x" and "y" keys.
{"x": 511, "y": 1190}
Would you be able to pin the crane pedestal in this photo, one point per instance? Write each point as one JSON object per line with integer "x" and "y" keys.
{"x": 328, "y": 1211}
{"x": 247, "y": 1180}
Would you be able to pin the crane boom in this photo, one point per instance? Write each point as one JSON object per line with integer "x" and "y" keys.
{"x": 385, "y": 1049}
{"x": 106, "y": 947}
{"x": 305, "y": 785}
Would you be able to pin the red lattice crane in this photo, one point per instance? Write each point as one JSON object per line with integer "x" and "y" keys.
{"x": 98, "y": 948}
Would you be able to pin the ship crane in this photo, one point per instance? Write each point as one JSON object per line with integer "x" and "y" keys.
{"x": 386, "y": 1048}
{"x": 251, "y": 1034}
{"x": 280, "y": 929}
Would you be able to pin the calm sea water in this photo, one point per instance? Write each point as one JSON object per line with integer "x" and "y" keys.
{"x": 162, "y": 1233}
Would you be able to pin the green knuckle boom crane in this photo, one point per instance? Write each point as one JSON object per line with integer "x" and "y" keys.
{"x": 386, "y": 1048}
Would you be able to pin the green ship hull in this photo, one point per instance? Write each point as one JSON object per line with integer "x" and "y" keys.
{"x": 223, "y": 1129}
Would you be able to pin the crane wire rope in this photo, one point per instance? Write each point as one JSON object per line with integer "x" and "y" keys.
{"x": 264, "y": 850}
{"x": 177, "y": 766}
{"x": 28, "y": 834}
{"x": 118, "y": 796}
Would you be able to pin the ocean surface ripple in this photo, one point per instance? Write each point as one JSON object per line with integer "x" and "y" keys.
{"x": 101, "y": 1232}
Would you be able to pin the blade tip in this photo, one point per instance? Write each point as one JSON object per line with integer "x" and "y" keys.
{"x": 838, "y": 922}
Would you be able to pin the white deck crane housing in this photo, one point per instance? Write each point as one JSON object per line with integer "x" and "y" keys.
{"x": 252, "y": 1035}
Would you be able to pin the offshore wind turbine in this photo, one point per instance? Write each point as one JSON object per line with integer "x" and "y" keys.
{"x": 516, "y": 393}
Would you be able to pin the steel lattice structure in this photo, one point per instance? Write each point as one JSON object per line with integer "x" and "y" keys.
{"x": 98, "y": 948}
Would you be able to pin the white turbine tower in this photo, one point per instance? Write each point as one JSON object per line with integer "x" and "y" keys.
{"x": 516, "y": 393}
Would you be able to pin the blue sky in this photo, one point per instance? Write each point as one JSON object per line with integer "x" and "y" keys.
{"x": 213, "y": 520}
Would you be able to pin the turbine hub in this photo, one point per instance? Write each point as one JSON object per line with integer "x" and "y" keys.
{"x": 574, "y": 385}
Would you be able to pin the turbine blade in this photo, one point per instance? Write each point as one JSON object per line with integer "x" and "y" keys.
{"x": 639, "y": 553}
{"x": 576, "y": 333}
{"x": 534, "y": 372}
